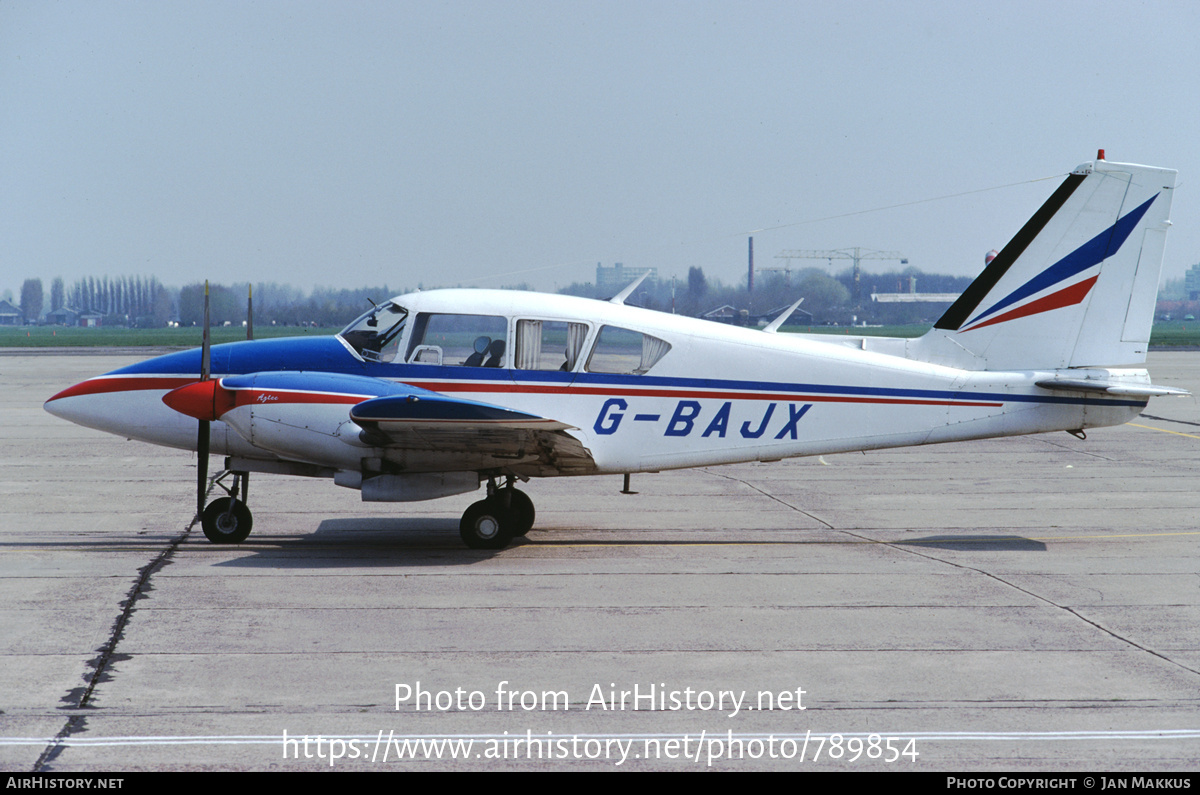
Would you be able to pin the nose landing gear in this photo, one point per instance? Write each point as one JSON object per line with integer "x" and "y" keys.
{"x": 227, "y": 520}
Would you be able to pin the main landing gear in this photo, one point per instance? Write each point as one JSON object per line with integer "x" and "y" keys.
{"x": 227, "y": 520}
{"x": 492, "y": 523}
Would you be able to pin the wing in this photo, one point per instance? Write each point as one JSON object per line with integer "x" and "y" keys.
{"x": 328, "y": 418}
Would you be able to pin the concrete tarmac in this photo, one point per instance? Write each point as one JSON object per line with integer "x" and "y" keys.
{"x": 1028, "y": 604}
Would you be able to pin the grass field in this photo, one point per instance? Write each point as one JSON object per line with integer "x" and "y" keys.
{"x": 1166, "y": 335}
{"x": 1173, "y": 334}
{"x": 860, "y": 331}
{"x": 61, "y": 336}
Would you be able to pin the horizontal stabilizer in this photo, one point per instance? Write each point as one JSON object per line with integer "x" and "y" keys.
{"x": 1110, "y": 387}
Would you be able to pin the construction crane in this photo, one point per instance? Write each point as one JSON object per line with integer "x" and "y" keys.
{"x": 857, "y": 254}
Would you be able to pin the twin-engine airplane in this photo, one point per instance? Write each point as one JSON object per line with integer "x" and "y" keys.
{"x": 433, "y": 393}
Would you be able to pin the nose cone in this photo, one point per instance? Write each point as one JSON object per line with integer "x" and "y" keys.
{"x": 204, "y": 400}
{"x": 83, "y": 402}
{"x": 59, "y": 406}
{"x": 119, "y": 404}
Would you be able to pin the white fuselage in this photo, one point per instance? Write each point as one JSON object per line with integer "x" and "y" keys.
{"x": 719, "y": 395}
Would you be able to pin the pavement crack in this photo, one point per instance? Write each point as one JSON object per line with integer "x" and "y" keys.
{"x": 1114, "y": 635}
{"x": 795, "y": 508}
{"x": 81, "y": 698}
{"x": 1071, "y": 449}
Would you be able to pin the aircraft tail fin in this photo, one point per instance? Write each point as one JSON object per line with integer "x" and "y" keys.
{"x": 1075, "y": 287}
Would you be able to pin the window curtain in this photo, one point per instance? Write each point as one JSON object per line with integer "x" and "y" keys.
{"x": 653, "y": 349}
{"x": 576, "y": 334}
{"x": 529, "y": 344}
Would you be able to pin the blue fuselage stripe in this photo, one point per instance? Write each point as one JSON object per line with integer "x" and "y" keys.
{"x": 313, "y": 356}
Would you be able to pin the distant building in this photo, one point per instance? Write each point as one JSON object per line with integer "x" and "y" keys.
{"x": 615, "y": 279}
{"x": 62, "y": 317}
{"x": 1191, "y": 282}
{"x": 914, "y": 298}
{"x": 723, "y": 314}
{"x": 799, "y": 316}
{"x": 10, "y": 315}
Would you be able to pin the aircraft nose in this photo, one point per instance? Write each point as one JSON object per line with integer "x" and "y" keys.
{"x": 59, "y": 407}
{"x": 95, "y": 403}
{"x": 128, "y": 405}
{"x": 71, "y": 404}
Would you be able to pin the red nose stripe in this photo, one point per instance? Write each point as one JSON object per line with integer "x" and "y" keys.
{"x": 204, "y": 400}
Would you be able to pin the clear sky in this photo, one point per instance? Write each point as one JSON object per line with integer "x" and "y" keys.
{"x": 488, "y": 143}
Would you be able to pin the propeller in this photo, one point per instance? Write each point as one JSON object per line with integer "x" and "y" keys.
{"x": 249, "y": 311}
{"x": 202, "y": 437}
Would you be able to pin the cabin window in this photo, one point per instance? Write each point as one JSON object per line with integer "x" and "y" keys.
{"x": 465, "y": 340}
{"x": 375, "y": 335}
{"x": 549, "y": 344}
{"x": 620, "y": 350}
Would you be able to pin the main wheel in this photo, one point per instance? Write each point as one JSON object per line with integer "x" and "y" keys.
{"x": 520, "y": 509}
{"x": 221, "y": 526}
{"x": 486, "y": 525}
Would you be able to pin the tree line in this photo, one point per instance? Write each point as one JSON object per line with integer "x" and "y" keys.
{"x": 828, "y": 299}
{"x": 143, "y": 301}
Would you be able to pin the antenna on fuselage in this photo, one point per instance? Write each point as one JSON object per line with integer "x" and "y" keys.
{"x": 619, "y": 298}
{"x": 777, "y": 322}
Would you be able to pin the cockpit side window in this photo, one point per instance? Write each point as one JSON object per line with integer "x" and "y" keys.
{"x": 375, "y": 335}
{"x": 466, "y": 340}
{"x": 620, "y": 350}
{"x": 549, "y": 344}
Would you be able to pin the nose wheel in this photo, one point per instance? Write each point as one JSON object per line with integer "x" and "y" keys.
{"x": 493, "y": 523}
{"x": 227, "y": 520}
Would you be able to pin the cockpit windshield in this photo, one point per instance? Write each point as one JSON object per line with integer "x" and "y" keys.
{"x": 375, "y": 335}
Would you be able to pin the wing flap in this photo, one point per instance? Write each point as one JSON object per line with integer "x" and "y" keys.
{"x": 434, "y": 423}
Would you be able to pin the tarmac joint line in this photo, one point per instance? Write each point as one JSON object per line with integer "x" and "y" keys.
{"x": 1047, "y": 601}
{"x": 773, "y": 497}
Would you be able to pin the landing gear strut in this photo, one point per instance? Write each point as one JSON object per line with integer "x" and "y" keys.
{"x": 227, "y": 520}
{"x": 492, "y": 523}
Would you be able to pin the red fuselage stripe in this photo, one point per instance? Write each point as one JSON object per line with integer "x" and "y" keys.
{"x": 452, "y": 386}
{"x": 129, "y": 384}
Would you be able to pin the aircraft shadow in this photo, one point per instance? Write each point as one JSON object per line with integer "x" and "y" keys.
{"x": 386, "y": 542}
{"x": 981, "y": 543}
{"x": 364, "y": 543}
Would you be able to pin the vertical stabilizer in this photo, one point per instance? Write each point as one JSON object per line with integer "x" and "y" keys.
{"x": 1075, "y": 287}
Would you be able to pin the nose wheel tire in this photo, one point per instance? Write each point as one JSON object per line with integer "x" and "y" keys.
{"x": 225, "y": 526}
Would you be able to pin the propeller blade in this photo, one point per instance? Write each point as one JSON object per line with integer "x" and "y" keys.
{"x": 201, "y": 466}
{"x": 202, "y": 435}
{"x": 205, "y": 343}
{"x": 249, "y": 311}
